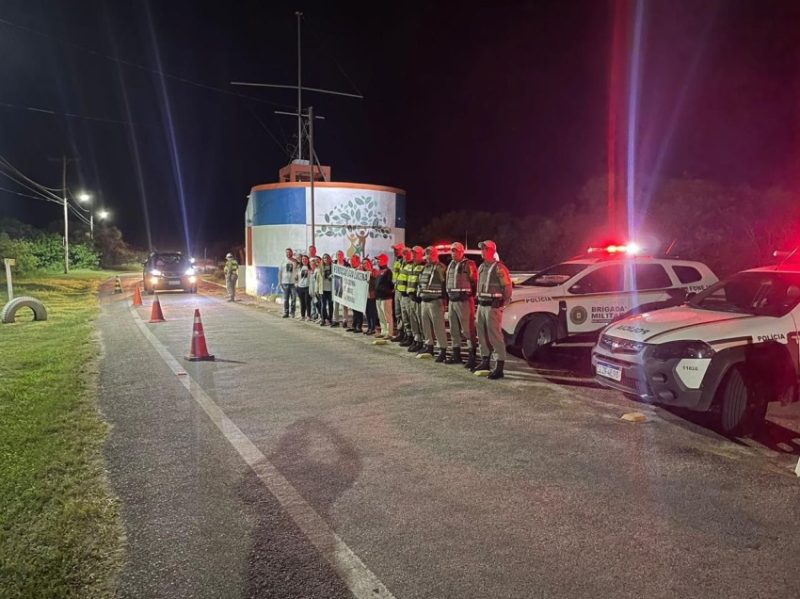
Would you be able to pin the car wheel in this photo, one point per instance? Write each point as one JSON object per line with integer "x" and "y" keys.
{"x": 740, "y": 407}
{"x": 149, "y": 291}
{"x": 193, "y": 290}
{"x": 539, "y": 333}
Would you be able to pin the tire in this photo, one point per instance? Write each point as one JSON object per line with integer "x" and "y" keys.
{"x": 9, "y": 312}
{"x": 149, "y": 291}
{"x": 192, "y": 289}
{"x": 740, "y": 407}
{"x": 539, "y": 333}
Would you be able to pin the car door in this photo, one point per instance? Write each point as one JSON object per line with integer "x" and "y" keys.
{"x": 596, "y": 299}
{"x": 650, "y": 283}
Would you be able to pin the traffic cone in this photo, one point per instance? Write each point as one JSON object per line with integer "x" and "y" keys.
{"x": 198, "y": 351}
{"x": 137, "y": 296}
{"x": 156, "y": 315}
{"x": 117, "y": 285}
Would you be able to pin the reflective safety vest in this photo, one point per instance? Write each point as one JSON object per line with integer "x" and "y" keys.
{"x": 413, "y": 278}
{"x": 431, "y": 282}
{"x": 401, "y": 280}
{"x": 397, "y": 277}
{"x": 494, "y": 284}
{"x": 460, "y": 284}
{"x": 231, "y": 268}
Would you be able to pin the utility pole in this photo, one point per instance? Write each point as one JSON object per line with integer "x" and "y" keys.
{"x": 311, "y": 162}
{"x": 91, "y": 225}
{"x": 66, "y": 212}
{"x": 299, "y": 92}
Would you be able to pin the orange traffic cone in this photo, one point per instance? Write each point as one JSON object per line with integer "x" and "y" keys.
{"x": 137, "y": 296}
{"x": 156, "y": 315}
{"x": 198, "y": 351}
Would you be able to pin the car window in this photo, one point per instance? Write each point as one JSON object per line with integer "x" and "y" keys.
{"x": 761, "y": 293}
{"x": 606, "y": 279}
{"x": 651, "y": 276}
{"x": 554, "y": 276}
{"x": 687, "y": 274}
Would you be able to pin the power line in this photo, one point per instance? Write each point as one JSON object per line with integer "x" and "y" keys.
{"x": 65, "y": 114}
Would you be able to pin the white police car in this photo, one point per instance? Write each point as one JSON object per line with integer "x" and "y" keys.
{"x": 731, "y": 349}
{"x": 583, "y": 295}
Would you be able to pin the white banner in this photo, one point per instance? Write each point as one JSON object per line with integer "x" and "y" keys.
{"x": 350, "y": 287}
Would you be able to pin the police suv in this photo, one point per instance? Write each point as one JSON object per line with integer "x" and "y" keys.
{"x": 730, "y": 349}
{"x": 581, "y": 296}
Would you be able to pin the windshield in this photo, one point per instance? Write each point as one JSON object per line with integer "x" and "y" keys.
{"x": 554, "y": 276}
{"x": 168, "y": 260}
{"x": 761, "y": 293}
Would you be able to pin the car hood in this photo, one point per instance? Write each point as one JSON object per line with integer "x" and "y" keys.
{"x": 679, "y": 323}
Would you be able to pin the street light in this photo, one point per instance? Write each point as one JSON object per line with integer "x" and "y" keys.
{"x": 102, "y": 214}
{"x": 84, "y": 197}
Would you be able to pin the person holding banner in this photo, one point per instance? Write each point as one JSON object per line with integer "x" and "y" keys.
{"x": 324, "y": 286}
{"x": 339, "y": 309}
{"x": 384, "y": 292}
{"x": 358, "y": 317}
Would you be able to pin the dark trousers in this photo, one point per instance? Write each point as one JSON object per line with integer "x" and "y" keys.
{"x": 372, "y": 315}
{"x": 305, "y": 301}
{"x": 358, "y": 320}
{"x": 326, "y": 306}
{"x": 289, "y": 297}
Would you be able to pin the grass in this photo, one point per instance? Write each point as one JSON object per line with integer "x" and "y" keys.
{"x": 60, "y": 533}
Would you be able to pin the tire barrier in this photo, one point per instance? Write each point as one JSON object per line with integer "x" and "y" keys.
{"x": 9, "y": 312}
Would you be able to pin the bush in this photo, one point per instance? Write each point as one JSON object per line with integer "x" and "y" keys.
{"x": 36, "y": 250}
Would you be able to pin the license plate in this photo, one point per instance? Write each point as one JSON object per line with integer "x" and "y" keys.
{"x": 610, "y": 372}
{"x": 174, "y": 281}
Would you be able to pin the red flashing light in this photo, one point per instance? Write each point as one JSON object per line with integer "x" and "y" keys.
{"x": 631, "y": 249}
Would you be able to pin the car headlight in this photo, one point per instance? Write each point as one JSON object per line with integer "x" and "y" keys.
{"x": 155, "y": 272}
{"x": 189, "y": 272}
{"x": 677, "y": 350}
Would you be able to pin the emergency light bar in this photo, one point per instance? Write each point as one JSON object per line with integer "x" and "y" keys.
{"x": 630, "y": 248}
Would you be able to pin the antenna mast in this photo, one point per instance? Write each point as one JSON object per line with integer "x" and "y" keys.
{"x": 299, "y": 16}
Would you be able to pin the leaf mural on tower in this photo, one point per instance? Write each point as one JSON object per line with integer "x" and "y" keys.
{"x": 357, "y": 220}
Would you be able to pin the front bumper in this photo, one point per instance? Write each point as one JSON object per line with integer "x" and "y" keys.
{"x": 650, "y": 379}
{"x": 166, "y": 282}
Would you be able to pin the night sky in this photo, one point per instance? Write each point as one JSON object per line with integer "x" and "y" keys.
{"x": 497, "y": 105}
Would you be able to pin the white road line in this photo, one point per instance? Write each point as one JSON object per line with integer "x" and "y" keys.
{"x": 360, "y": 580}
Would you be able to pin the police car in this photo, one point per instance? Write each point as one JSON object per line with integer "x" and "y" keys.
{"x": 730, "y": 349}
{"x": 581, "y": 296}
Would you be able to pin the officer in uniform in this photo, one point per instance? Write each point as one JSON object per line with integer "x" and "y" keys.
{"x": 397, "y": 267}
{"x": 431, "y": 293}
{"x": 231, "y": 276}
{"x": 415, "y": 304}
{"x": 494, "y": 292}
{"x": 405, "y": 305}
{"x": 461, "y": 282}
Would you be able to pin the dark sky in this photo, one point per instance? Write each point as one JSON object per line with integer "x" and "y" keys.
{"x": 493, "y": 105}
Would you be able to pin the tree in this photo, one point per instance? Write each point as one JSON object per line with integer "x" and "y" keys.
{"x": 357, "y": 220}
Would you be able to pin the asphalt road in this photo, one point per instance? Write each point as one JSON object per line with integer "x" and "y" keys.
{"x": 360, "y": 459}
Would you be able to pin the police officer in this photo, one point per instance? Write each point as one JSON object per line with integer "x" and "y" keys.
{"x": 494, "y": 292}
{"x": 397, "y": 267}
{"x": 431, "y": 292}
{"x": 414, "y": 303}
{"x": 402, "y": 284}
{"x": 461, "y": 283}
{"x": 231, "y": 276}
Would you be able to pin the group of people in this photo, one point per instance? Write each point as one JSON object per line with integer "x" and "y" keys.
{"x": 407, "y": 301}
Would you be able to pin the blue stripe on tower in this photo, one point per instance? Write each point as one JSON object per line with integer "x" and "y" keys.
{"x": 400, "y": 211}
{"x": 279, "y": 206}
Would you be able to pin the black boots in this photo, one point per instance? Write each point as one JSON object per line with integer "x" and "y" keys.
{"x": 399, "y": 338}
{"x": 442, "y": 356}
{"x": 424, "y": 349}
{"x": 497, "y": 373}
{"x": 472, "y": 361}
{"x": 414, "y": 347}
{"x": 455, "y": 357}
{"x": 407, "y": 341}
{"x": 482, "y": 365}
